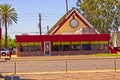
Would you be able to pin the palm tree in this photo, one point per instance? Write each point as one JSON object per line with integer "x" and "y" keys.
{"x": 8, "y": 15}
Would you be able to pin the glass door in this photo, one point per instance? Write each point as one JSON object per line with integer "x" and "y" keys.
{"x": 47, "y": 48}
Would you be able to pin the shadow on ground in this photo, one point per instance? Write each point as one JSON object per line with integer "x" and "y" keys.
{"x": 13, "y": 78}
{"x": 10, "y": 78}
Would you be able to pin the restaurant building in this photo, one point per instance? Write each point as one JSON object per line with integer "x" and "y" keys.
{"x": 71, "y": 35}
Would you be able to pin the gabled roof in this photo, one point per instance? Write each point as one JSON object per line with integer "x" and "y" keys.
{"x": 64, "y": 19}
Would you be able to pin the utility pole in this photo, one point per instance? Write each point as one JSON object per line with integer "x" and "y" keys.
{"x": 0, "y": 35}
{"x": 39, "y": 25}
{"x": 0, "y": 22}
{"x": 48, "y": 29}
{"x": 66, "y": 6}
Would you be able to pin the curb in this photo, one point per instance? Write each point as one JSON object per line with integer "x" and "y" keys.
{"x": 54, "y": 72}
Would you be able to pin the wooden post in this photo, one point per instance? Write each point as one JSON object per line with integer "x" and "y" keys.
{"x": 15, "y": 67}
{"x": 115, "y": 64}
{"x": 66, "y": 67}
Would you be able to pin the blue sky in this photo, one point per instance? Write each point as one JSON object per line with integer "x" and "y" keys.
{"x": 28, "y": 14}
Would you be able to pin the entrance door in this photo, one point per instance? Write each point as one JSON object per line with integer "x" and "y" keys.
{"x": 47, "y": 48}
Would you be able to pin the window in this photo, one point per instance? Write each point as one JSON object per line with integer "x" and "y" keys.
{"x": 23, "y": 47}
{"x": 66, "y": 46}
{"x": 103, "y": 45}
{"x": 37, "y": 47}
{"x": 30, "y": 47}
{"x": 94, "y": 45}
{"x": 56, "y": 46}
{"x": 99, "y": 45}
{"x": 86, "y": 45}
{"x": 76, "y": 46}
{"x": 61, "y": 46}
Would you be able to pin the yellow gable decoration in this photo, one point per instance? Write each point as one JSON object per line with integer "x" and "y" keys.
{"x": 72, "y": 23}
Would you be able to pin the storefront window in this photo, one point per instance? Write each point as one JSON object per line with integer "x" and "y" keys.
{"x": 61, "y": 46}
{"x": 23, "y": 47}
{"x": 103, "y": 45}
{"x": 30, "y": 47}
{"x": 99, "y": 45}
{"x": 56, "y": 46}
{"x": 86, "y": 45}
{"x": 37, "y": 46}
{"x": 66, "y": 46}
{"x": 76, "y": 46}
{"x": 94, "y": 45}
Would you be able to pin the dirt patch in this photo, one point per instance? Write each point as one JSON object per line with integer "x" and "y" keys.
{"x": 74, "y": 76}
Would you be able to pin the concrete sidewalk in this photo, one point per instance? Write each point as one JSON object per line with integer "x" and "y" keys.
{"x": 47, "y": 58}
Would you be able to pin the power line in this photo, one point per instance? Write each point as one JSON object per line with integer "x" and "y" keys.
{"x": 33, "y": 18}
{"x": 27, "y": 14}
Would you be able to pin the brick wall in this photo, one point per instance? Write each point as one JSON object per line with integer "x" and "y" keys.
{"x": 30, "y": 54}
{"x": 55, "y": 53}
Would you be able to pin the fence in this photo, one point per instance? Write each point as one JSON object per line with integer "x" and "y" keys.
{"x": 59, "y": 66}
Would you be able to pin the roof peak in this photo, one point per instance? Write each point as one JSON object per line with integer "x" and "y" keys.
{"x": 66, "y": 18}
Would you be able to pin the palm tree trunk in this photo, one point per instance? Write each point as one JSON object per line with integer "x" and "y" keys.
{"x": 6, "y": 45}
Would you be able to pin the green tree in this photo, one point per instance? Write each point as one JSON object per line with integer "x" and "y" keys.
{"x": 11, "y": 42}
{"x": 8, "y": 15}
{"x": 104, "y": 15}
{"x": 3, "y": 42}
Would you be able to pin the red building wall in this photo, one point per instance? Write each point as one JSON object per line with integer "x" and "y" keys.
{"x": 59, "y": 38}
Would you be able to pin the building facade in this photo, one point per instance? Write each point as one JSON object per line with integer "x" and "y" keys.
{"x": 71, "y": 35}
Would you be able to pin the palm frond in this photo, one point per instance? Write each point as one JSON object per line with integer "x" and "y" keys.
{"x": 8, "y": 16}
